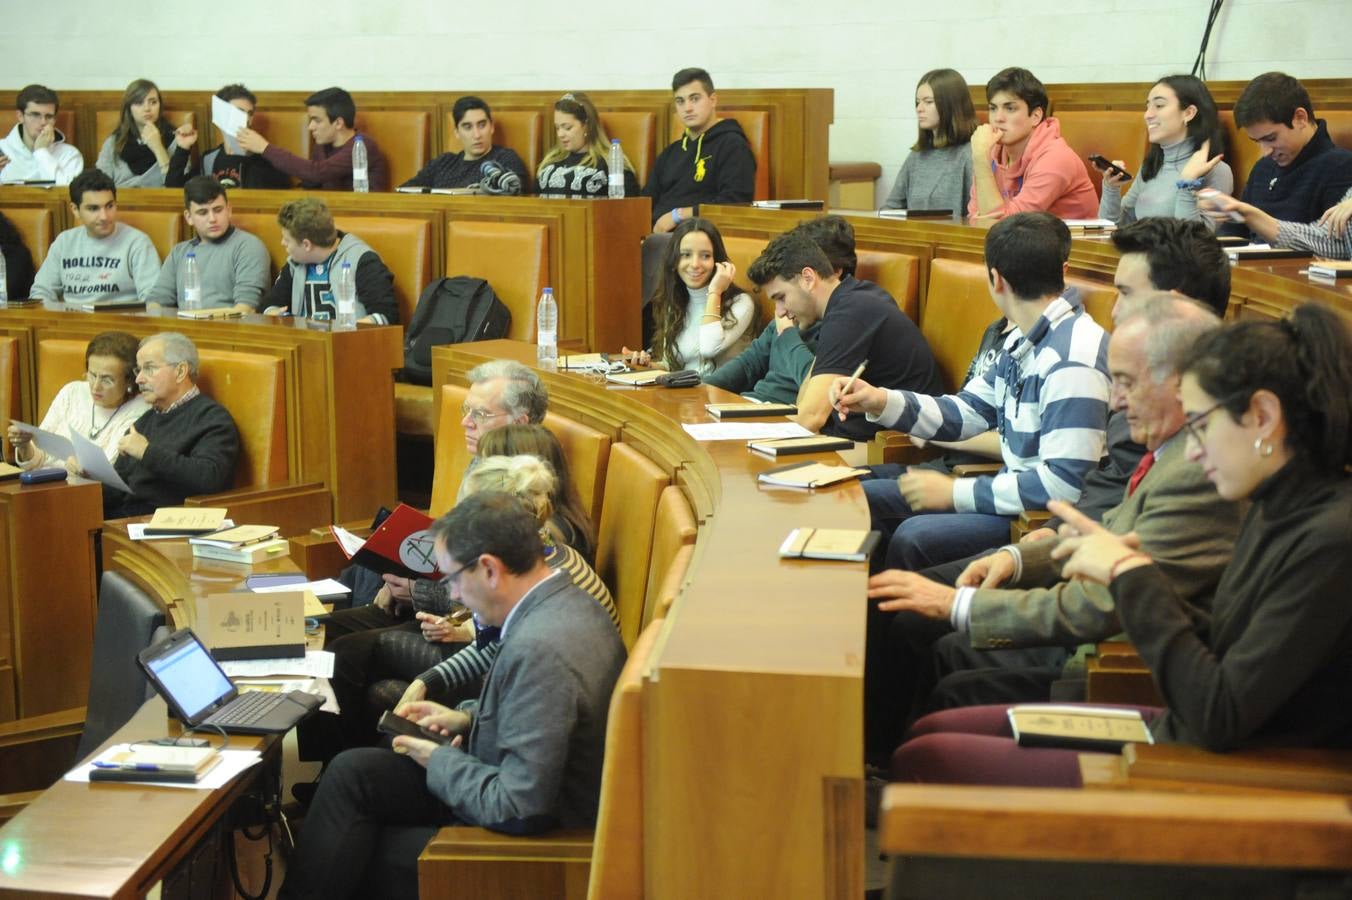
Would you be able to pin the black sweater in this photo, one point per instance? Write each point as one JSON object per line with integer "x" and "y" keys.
{"x": 190, "y": 450}
{"x": 244, "y": 171}
{"x": 569, "y": 177}
{"x": 717, "y": 167}
{"x": 451, "y": 170}
{"x": 1275, "y": 664}
{"x": 1317, "y": 179}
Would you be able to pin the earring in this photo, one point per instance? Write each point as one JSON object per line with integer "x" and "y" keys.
{"x": 1261, "y": 447}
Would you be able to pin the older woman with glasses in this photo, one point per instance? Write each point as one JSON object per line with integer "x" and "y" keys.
{"x": 101, "y": 406}
{"x": 1269, "y": 412}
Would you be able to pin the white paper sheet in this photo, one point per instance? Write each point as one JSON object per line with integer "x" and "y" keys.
{"x": 232, "y": 763}
{"x": 323, "y": 589}
{"x": 314, "y": 664}
{"x": 54, "y": 445}
{"x": 137, "y": 532}
{"x": 744, "y": 431}
{"x": 94, "y": 463}
{"x": 229, "y": 119}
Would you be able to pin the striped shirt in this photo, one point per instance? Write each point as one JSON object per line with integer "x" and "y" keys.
{"x": 1047, "y": 398}
{"x": 473, "y": 663}
{"x": 1315, "y": 237}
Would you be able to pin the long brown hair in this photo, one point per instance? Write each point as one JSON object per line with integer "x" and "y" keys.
{"x": 957, "y": 117}
{"x": 538, "y": 441}
{"x": 127, "y": 128}
{"x": 671, "y": 298}
{"x": 597, "y": 153}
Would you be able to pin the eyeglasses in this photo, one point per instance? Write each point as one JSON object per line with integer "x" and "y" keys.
{"x": 478, "y": 416}
{"x": 1196, "y": 424}
{"x": 106, "y": 381}
{"x": 39, "y": 116}
{"x": 150, "y": 369}
{"x": 451, "y": 579}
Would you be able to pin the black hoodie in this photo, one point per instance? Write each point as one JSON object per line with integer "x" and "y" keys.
{"x": 716, "y": 167}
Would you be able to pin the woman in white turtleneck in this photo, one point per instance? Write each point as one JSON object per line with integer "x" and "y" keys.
{"x": 1186, "y": 148}
{"x": 702, "y": 319}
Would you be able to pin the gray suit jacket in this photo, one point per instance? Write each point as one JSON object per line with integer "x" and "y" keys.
{"x": 1183, "y": 524}
{"x": 533, "y": 758}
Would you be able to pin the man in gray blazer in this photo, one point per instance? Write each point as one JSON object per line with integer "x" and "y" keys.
{"x": 525, "y": 757}
{"x": 1016, "y": 598}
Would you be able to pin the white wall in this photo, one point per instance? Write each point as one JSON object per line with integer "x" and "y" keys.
{"x": 870, "y": 51}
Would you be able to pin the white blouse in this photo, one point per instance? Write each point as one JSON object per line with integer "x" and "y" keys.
{"x": 704, "y": 346}
{"x": 73, "y": 408}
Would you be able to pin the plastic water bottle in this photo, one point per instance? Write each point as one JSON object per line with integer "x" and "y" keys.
{"x": 616, "y": 164}
{"x": 4, "y": 284}
{"x": 361, "y": 183}
{"x": 345, "y": 292}
{"x": 192, "y": 283}
{"x": 547, "y": 330}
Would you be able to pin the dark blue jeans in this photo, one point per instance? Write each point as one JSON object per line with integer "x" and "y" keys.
{"x": 920, "y": 540}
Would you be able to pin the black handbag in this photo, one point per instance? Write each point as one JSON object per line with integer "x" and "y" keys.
{"x": 683, "y": 378}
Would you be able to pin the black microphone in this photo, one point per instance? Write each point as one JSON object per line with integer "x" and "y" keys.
{"x": 498, "y": 180}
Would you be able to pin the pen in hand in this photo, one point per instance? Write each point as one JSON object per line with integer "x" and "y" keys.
{"x": 849, "y": 385}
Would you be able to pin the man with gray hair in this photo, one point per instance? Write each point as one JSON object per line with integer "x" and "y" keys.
{"x": 186, "y": 444}
{"x": 1016, "y": 597}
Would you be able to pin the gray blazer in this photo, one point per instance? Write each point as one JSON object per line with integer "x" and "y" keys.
{"x": 534, "y": 754}
{"x": 1183, "y": 524}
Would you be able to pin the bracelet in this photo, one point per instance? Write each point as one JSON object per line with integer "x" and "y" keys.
{"x": 675, "y": 215}
{"x": 1186, "y": 184}
{"x": 1112, "y": 572}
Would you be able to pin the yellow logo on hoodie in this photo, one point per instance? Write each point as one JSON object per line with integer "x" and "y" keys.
{"x": 699, "y": 166}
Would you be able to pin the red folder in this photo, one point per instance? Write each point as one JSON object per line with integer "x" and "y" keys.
{"x": 402, "y": 545}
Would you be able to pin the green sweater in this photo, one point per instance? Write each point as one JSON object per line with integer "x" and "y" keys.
{"x": 773, "y": 368}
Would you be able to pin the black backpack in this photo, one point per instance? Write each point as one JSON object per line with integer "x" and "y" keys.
{"x": 451, "y": 311}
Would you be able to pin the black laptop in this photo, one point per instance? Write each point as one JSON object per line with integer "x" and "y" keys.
{"x": 200, "y": 693}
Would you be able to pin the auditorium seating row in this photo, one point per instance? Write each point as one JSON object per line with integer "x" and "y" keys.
{"x": 787, "y": 128}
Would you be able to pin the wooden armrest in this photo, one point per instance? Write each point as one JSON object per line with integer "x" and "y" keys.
{"x": 469, "y": 862}
{"x": 896, "y": 447}
{"x": 1139, "y": 827}
{"x": 1115, "y": 648}
{"x": 1028, "y": 520}
{"x": 968, "y": 470}
{"x": 38, "y": 750}
{"x": 292, "y": 506}
{"x": 1120, "y": 679}
{"x": 1278, "y": 768}
{"x": 13, "y": 804}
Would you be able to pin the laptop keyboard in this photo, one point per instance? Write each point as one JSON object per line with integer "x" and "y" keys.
{"x": 247, "y": 708}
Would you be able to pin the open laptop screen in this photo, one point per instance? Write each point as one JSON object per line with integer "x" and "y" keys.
{"x": 189, "y": 675}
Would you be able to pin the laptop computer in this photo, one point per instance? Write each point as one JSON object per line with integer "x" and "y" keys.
{"x": 200, "y": 693}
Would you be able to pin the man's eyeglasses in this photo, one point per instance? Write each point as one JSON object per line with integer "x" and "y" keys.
{"x": 454, "y": 577}
{"x": 106, "y": 381}
{"x": 478, "y": 416}
{"x": 149, "y": 369}
{"x": 39, "y": 116}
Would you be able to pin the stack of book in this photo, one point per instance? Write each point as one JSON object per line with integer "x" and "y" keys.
{"x": 246, "y": 544}
{"x": 148, "y": 762}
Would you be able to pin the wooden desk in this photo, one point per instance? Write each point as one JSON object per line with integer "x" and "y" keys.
{"x": 47, "y": 595}
{"x": 753, "y": 744}
{"x": 115, "y": 840}
{"x": 339, "y": 389}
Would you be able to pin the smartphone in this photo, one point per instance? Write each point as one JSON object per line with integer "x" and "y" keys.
{"x": 394, "y": 726}
{"x": 1104, "y": 163}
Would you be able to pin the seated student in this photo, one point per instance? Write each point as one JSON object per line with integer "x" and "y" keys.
{"x": 99, "y": 259}
{"x": 578, "y": 165}
{"x": 937, "y": 173}
{"x": 1167, "y": 254}
{"x": 229, "y": 163}
{"x": 860, "y": 325}
{"x": 1019, "y": 161}
{"x": 696, "y": 327}
{"x": 1186, "y": 147}
{"x": 101, "y": 406}
{"x": 493, "y": 169}
{"x": 18, "y": 261}
{"x": 1046, "y": 397}
{"x": 316, "y": 250}
{"x": 1268, "y": 410}
{"x": 331, "y": 117}
{"x": 144, "y": 148}
{"x": 1329, "y": 237}
{"x": 527, "y": 756}
{"x": 775, "y": 365}
{"x": 711, "y": 163}
{"x": 185, "y": 444}
{"x": 1302, "y": 174}
{"x": 34, "y": 150}
{"x": 232, "y": 264}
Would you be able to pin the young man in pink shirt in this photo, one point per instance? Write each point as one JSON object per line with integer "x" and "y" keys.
{"x": 1019, "y": 161}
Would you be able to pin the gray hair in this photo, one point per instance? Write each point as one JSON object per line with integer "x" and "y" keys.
{"x": 177, "y": 349}
{"x": 1173, "y": 324}
{"x": 524, "y": 394}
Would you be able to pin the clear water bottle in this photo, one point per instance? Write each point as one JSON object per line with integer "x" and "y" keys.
{"x": 547, "y": 330}
{"x": 4, "y": 283}
{"x": 361, "y": 182}
{"x": 192, "y": 283}
{"x": 616, "y": 163}
{"x": 345, "y": 292}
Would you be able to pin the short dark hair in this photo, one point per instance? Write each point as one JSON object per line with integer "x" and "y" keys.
{"x": 1183, "y": 255}
{"x": 90, "y": 180}
{"x": 239, "y": 92}
{"x": 465, "y": 104}
{"x": 786, "y": 256}
{"x": 337, "y": 103}
{"x": 117, "y": 344}
{"x": 36, "y": 93}
{"x": 835, "y": 236}
{"x": 202, "y": 189}
{"x": 492, "y": 522}
{"x": 1022, "y": 84}
{"x": 1272, "y": 97}
{"x": 694, "y": 73}
{"x": 1029, "y": 251}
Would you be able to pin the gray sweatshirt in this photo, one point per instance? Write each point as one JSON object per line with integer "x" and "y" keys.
{"x": 234, "y": 269}
{"x": 1161, "y": 196}
{"x": 933, "y": 179}
{"x": 83, "y": 269}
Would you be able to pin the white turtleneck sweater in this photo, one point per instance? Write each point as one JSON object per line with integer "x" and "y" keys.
{"x": 704, "y": 346}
